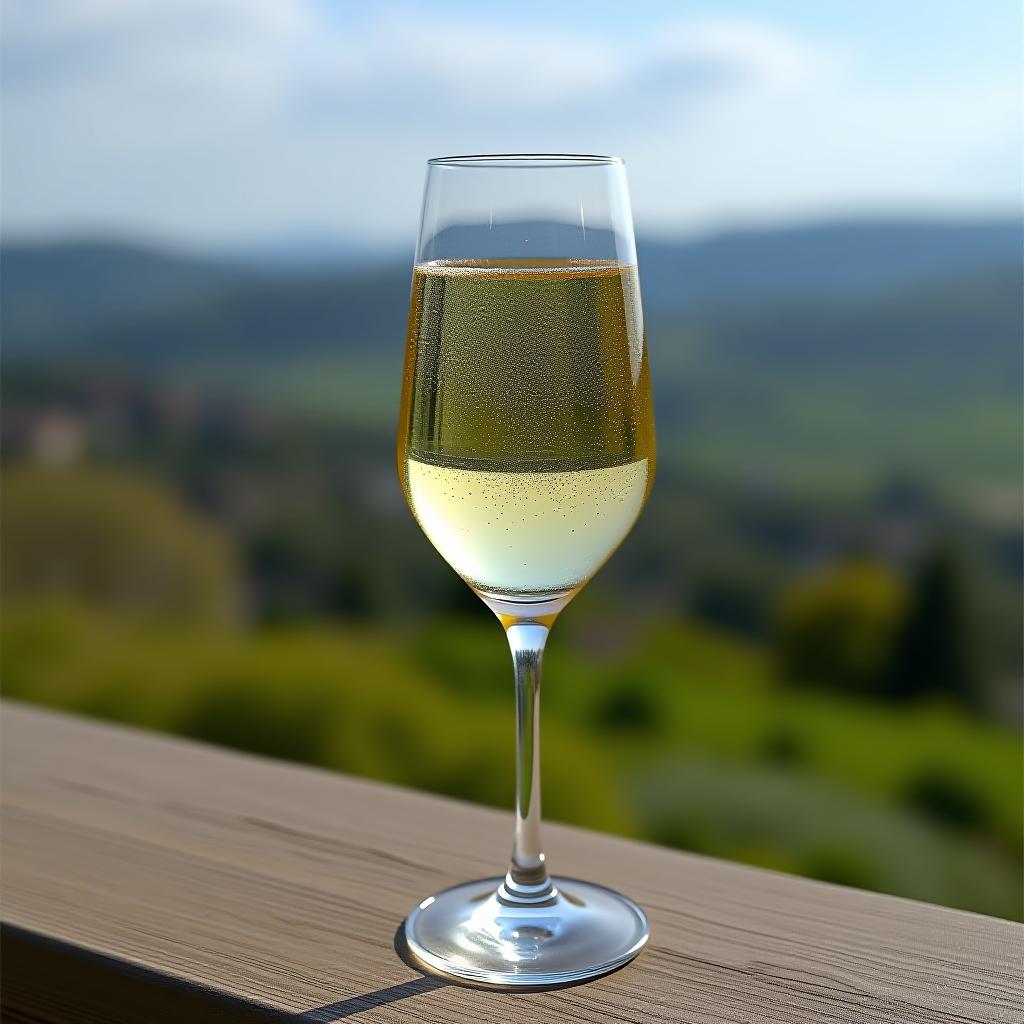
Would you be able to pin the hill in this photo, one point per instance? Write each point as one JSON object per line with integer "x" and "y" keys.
{"x": 833, "y": 353}
{"x": 65, "y": 295}
{"x": 53, "y": 293}
{"x": 821, "y": 265}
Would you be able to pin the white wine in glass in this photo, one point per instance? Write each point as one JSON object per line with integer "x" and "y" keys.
{"x": 526, "y": 452}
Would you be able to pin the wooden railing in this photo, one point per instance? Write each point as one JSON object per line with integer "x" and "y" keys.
{"x": 150, "y": 879}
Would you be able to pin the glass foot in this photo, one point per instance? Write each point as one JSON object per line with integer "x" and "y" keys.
{"x": 580, "y": 932}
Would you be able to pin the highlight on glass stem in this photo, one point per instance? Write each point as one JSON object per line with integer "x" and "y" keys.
{"x": 526, "y": 453}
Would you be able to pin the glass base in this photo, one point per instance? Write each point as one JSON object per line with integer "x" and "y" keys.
{"x": 581, "y": 932}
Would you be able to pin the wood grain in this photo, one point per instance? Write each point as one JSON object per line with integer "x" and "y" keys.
{"x": 151, "y": 879}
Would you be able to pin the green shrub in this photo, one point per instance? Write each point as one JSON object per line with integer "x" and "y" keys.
{"x": 838, "y": 627}
{"x": 783, "y": 820}
{"x": 946, "y": 797}
{"x": 246, "y": 715}
{"x": 627, "y": 704}
{"x": 841, "y": 866}
{"x": 114, "y": 542}
{"x": 782, "y": 746}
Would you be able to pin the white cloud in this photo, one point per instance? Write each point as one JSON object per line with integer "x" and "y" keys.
{"x": 755, "y": 54}
{"x": 224, "y": 119}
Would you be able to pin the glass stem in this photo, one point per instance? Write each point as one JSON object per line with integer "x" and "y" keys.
{"x": 527, "y": 879}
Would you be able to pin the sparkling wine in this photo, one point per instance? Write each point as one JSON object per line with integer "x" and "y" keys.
{"x": 526, "y": 446}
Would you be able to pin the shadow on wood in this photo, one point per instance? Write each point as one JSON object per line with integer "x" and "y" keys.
{"x": 359, "y": 1004}
{"x": 392, "y": 994}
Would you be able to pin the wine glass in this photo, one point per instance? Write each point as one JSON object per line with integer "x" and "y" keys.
{"x": 526, "y": 452}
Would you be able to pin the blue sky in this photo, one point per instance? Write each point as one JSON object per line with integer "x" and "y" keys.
{"x": 229, "y": 122}
{"x": 903, "y": 40}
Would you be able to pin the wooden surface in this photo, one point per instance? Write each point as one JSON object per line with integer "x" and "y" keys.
{"x": 145, "y": 879}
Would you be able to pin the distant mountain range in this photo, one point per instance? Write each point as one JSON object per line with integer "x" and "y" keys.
{"x": 822, "y": 265}
{"x": 66, "y": 295}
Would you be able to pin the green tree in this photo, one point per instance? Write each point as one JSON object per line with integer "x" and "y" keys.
{"x": 933, "y": 651}
{"x": 113, "y": 542}
{"x": 837, "y": 628}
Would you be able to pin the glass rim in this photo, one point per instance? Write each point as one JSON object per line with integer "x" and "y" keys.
{"x": 527, "y": 160}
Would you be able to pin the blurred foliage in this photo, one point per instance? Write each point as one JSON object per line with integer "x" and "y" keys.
{"x": 933, "y": 650}
{"x": 818, "y": 828}
{"x": 114, "y": 542}
{"x": 356, "y": 702}
{"x": 839, "y": 627}
{"x": 840, "y": 788}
